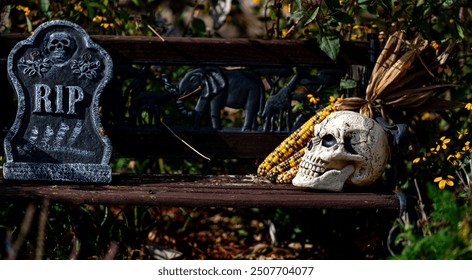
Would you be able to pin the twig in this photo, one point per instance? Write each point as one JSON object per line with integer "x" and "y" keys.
{"x": 156, "y": 33}
{"x": 112, "y": 250}
{"x": 389, "y": 238}
{"x": 24, "y": 229}
{"x": 423, "y": 216}
{"x": 187, "y": 144}
{"x": 465, "y": 180}
{"x": 75, "y": 244}
{"x": 43, "y": 218}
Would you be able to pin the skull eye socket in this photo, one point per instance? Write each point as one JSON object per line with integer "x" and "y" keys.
{"x": 328, "y": 141}
{"x": 348, "y": 145}
{"x": 54, "y": 41}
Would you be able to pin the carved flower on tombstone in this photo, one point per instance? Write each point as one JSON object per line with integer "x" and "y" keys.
{"x": 85, "y": 67}
{"x": 34, "y": 66}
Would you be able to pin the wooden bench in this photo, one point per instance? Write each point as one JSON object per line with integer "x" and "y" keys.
{"x": 249, "y": 148}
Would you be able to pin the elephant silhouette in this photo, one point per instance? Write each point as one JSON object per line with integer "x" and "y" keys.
{"x": 238, "y": 89}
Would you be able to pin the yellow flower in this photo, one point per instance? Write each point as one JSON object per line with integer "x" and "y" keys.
{"x": 312, "y": 99}
{"x": 333, "y": 99}
{"x": 442, "y": 143}
{"x": 419, "y": 159}
{"x": 78, "y": 8}
{"x": 454, "y": 158}
{"x": 468, "y": 106}
{"x": 107, "y": 25}
{"x": 463, "y": 132}
{"x": 425, "y": 116}
{"x": 444, "y": 180}
{"x": 24, "y": 9}
{"x": 435, "y": 45}
{"x": 467, "y": 147}
{"x": 99, "y": 19}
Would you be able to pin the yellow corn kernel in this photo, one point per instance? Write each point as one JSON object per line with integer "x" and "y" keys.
{"x": 287, "y": 177}
{"x": 294, "y": 143}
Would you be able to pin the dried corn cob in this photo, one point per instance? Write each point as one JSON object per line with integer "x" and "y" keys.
{"x": 285, "y": 165}
{"x": 287, "y": 176}
{"x": 286, "y": 148}
{"x": 294, "y": 143}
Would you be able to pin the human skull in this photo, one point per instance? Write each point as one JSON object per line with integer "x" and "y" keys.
{"x": 347, "y": 148}
{"x": 60, "y": 46}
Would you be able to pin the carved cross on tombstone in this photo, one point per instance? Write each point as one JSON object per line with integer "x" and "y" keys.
{"x": 58, "y": 74}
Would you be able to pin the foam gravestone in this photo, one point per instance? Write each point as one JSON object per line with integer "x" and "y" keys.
{"x": 58, "y": 74}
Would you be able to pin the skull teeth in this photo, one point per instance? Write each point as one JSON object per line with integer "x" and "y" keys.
{"x": 311, "y": 167}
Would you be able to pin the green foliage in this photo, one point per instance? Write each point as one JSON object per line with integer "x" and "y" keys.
{"x": 330, "y": 45}
{"x": 446, "y": 234}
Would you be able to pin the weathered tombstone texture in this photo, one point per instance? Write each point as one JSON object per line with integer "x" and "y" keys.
{"x": 58, "y": 74}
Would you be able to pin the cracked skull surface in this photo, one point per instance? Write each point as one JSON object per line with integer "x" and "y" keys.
{"x": 347, "y": 148}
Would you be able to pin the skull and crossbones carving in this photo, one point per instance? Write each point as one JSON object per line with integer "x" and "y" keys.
{"x": 60, "y": 46}
{"x": 347, "y": 148}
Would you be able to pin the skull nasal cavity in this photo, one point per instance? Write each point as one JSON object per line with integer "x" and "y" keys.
{"x": 328, "y": 141}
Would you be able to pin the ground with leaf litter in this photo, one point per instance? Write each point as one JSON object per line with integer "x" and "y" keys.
{"x": 220, "y": 233}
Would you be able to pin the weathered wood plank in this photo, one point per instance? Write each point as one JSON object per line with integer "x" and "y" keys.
{"x": 137, "y": 143}
{"x": 215, "y": 51}
{"x": 196, "y": 191}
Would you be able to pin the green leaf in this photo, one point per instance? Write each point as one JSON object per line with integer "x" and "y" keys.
{"x": 333, "y": 4}
{"x": 330, "y": 45}
{"x": 298, "y": 14}
{"x": 45, "y": 8}
{"x": 342, "y": 17}
{"x": 199, "y": 27}
{"x": 386, "y": 5}
{"x": 29, "y": 24}
{"x": 313, "y": 16}
{"x": 348, "y": 84}
{"x": 460, "y": 31}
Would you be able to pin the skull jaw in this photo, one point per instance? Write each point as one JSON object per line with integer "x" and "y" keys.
{"x": 58, "y": 56}
{"x": 332, "y": 180}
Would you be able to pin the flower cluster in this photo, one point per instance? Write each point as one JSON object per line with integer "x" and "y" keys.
{"x": 313, "y": 99}
{"x": 444, "y": 180}
{"x": 455, "y": 150}
{"x": 103, "y": 22}
{"x": 24, "y": 9}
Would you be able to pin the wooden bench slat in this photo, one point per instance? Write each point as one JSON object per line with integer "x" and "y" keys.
{"x": 214, "y": 51}
{"x": 197, "y": 191}
{"x": 137, "y": 143}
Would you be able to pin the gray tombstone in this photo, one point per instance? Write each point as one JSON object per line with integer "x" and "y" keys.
{"x": 58, "y": 74}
